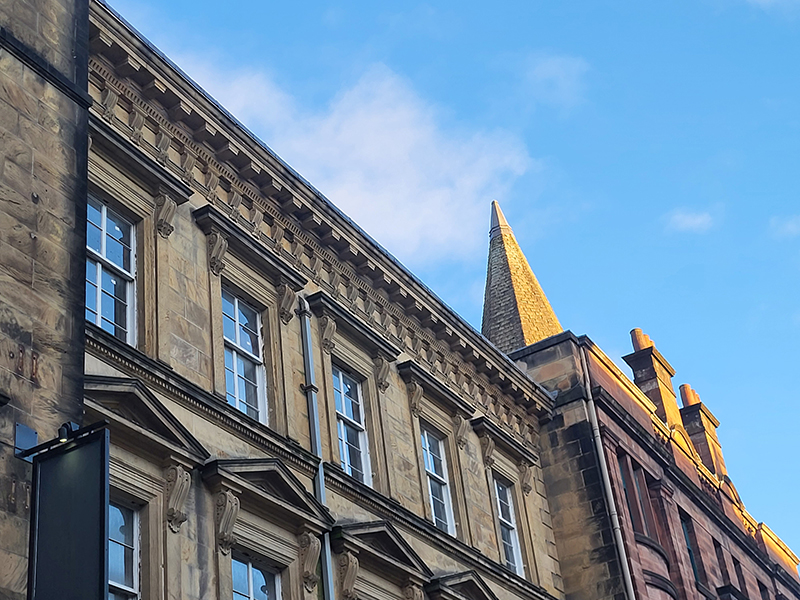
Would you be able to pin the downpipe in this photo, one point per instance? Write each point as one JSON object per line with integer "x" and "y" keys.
{"x": 606, "y": 479}
{"x": 310, "y": 389}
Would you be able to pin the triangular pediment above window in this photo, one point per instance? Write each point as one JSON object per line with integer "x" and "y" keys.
{"x": 379, "y": 545}
{"x": 466, "y": 585}
{"x": 268, "y": 487}
{"x": 137, "y": 418}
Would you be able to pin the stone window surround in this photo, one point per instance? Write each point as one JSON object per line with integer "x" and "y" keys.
{"x": 147, "y": 195}
{"x": 511, "y": 461}
{"x": 434, "y": 405}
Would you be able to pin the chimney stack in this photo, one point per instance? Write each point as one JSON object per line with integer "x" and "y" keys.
{"x": 701, "y": 425}
{"x": 653, "y": 374}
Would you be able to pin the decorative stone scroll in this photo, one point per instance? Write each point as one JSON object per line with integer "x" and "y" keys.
{"x": 462, "y": 426}
{"x": 217, "y": 247}
{"x": 163, "y": 141}
{"x": 225, "y": 514}
{"x": 412, "y": 591}
{"x": 415, "y": 397}
{"x": 526, "y": 477}
{"x": 381, "y": 373}
{"x": 310, "y": 547}
{"x": 165, "y": 211}
{"x": 287, "y": 301}
{"x": 108, "y": 100}
{"x": 348, "y": 571}
{"x": 487, "y": 447}
{"x": 178, "y": 483}
{"x": 328, "y": 331}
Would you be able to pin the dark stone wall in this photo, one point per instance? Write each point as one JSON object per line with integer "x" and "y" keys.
{"x": 43, "y": 148}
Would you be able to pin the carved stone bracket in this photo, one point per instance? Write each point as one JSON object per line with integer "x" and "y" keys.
{"x": 225, "y": 514}
{"x": 179, "y": 481}
{"x": 287, "y": 301}
{"x": 487, "y": 448}
{"x": 108, "y": 100}
{"x": 310, "y": 547}
{"x": 381, "y": 373}
{"x": 217, "y": 247}
{"x": 462, "y": 426}
{"x": 412, "y": 591}
{"x": 328, "y": 331}
{"x": 165, "y": 211}
{"x": 348, "y": 571}
{"x": 415, "y": 397}
{"x": 526, "y": 477}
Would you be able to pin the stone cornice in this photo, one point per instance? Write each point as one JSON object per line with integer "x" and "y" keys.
{"x": 412, "y": 372}
{"x": 197, "y": 139}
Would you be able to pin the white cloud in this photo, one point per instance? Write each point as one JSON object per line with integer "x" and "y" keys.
{"x": 382, "y": 154}
{"x": 689, "y": 221}
{"x": 557, "y": 80}
{"x": 785, "y": 226}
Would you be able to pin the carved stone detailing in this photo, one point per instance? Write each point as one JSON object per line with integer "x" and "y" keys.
{"x": 310, "y": 547}
{"x": 165, "y": 211}
{"x": 108, "y": 100}
{"x": 415, "y": 397}
{"x": 212, "y": 181}
{"x": 352, "y": 292}
{"x": 487, "y": 448}
{"x": 188, "y": 162}
{"x": 277, "y": 235}
{"x": 462, "y": 426}
{"x": 369, "y": 306}
{"x": 163, "y": 140}
{"x": 287, "y": 296}
{"x": 258, "y": 219}
{"x": 235, "y": 200}
{"x": 336, "y": 279}
{"x": 178, "y": 482}
{"x": 381, "y": 373}
{"x": 348, "y": 571}
{"x": 316, "y": 269}
{"x": 225, "y": 514}
{"x": 328, "y": 331}
{"x": 526, "y": 478}
{"x": 217, "y": 247}
{"x": 136, "y": 122}
{"x": 412, "y": 591}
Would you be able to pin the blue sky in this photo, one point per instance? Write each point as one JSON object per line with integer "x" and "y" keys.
{"x": 645, "y": 153}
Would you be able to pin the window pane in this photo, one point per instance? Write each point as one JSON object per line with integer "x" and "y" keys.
{"x": 91, "y": 290}
{"x": 118, "y": 240}
{"x": 352, "y": 404}
{"x": 261, "y": 584}
{"x": 338, "y": 398}
{"x": 353, "y": 442}
{"x": 438, "y": 504}
{"x": 94, "y": 212}
{"x": 228, "y": 328}
{"x": 94, "y": 237}
{"x": 120, "y": 524}
{"x": 508, "y": 546}
{"x": 248, "y": 329}
{"x": 239, "y": 575}
{"x": 227, "y": 304}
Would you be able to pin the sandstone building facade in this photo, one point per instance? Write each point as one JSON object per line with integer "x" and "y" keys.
{"x": 292, "y": 414}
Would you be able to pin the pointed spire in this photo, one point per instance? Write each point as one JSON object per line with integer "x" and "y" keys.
{"x": 516, "y": 312}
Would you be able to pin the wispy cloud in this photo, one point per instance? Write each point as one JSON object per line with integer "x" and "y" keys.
{"x": 785, "y": 226}
{"x": 688, "y": 221}
{"x": 557, "y": 80}
{"x": 382, "y": 153}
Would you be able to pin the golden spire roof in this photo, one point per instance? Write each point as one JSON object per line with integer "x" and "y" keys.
{"x": 516, "y": 312}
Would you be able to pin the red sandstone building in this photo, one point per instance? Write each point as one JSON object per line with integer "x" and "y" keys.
{"x": 640, "y": 498}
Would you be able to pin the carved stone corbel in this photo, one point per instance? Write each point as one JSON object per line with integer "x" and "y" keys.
{"x": 526, "y": 477}
{"x": 136, "y": 123}
{"x": 217, "y": 247}
{"x": 235, "y": 201}
{"x": 462, "y": 426}
{"x": 225, "y": 514}
{"x": 165, "y": 211}
{"x": 163, "y": 140}
{"x": 328, "y": 331}
{"x": 412, "y": 591}
{"x": 188, "y": 162}
{"x": 381, "y": 373}
{"x": 348, "y": 571}
{"x": 179, "y": 481}
{"x": 415, "y": 398}
{"x": 487, "y": 448}
{"x": 287, "y": 301}
{"x": 108, "y": 100}
{"x": 310, "y": 547}
{"x": 212, "y": 181}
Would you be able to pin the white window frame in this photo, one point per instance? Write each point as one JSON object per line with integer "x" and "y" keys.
{"x": 276, "y": 578}
{"x": 115, "y": 587}
{"x": 103, "y": 264}
{"x": 343, "y": 420}
{"x": 442, "y": 479}
{"x": 511, "y": 525}
{"x": 237, "y": 351}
